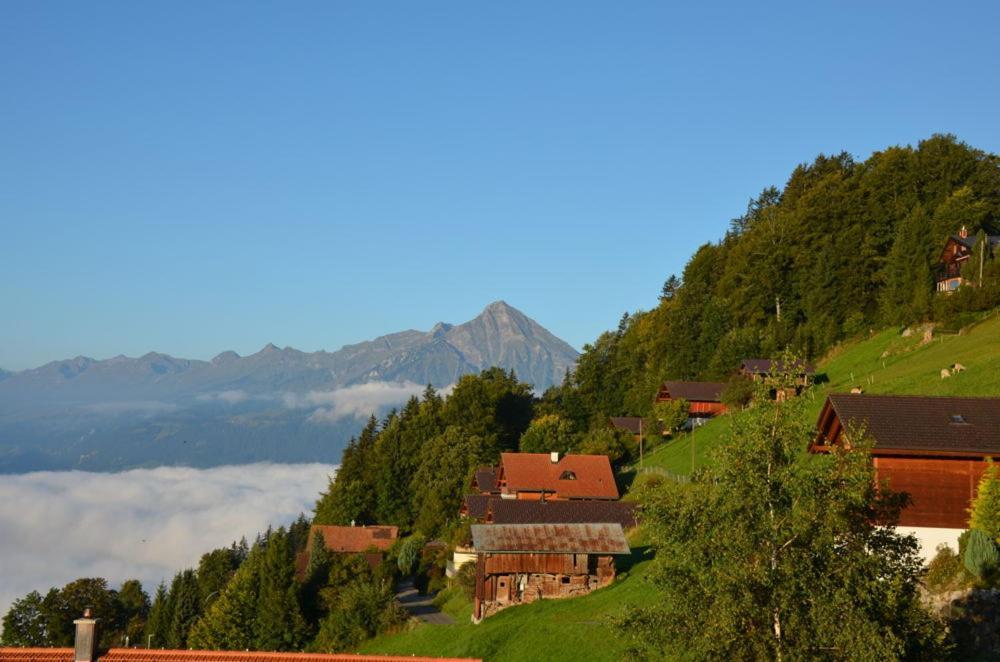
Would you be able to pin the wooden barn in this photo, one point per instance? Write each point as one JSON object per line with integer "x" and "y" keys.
{"x": 934, "y": 448}
{"x": 520, "y": 563}
{"x": 956, "y": 253}
{"x": 549, "y": 476}
{"x": 705, "y": 398}
{"x": 630, "y": 424}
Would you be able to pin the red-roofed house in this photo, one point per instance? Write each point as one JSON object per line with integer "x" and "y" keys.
{"x": 371, "y": 541}
{"x": 549, "y": 476}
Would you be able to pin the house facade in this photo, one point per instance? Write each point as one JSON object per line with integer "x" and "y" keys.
{"x": 933, "y": 448}
{"x": 956, "y": 254}
{"x": 704, "y": 398}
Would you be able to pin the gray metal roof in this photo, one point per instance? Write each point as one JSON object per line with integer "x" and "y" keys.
{"x": 606, "y": 538}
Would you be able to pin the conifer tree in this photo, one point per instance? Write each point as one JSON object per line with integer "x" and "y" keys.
{"x": 158, "y": 623}
{"x": 278, "y": 625}
{"x": 185, "y": 608}
{"x": 985, "y": 511}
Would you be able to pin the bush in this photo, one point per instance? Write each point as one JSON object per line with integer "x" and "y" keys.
{"x": 980, "y": 554}
{"x": 945, "y": 572}
{"x": 409, "y": 553}
{"x": 616, "y": 444}
{"x": 738, "y": 393}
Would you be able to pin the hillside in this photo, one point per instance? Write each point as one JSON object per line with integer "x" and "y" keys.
{"x": 279, "y": 405}
{"x": 884, "y": 363}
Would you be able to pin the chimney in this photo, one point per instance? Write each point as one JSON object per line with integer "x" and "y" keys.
{"x": 554, "y": 457}
{"x": 964, "y": 232}
{"x": 86, "y": 638}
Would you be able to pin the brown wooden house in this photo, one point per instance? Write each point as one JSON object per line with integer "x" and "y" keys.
{"x": 549, "y": 476}
{"x": 934, "y": 448}
{"x": 521, "y": 563}
{"x": 705, "y": 398}
{"x": 956, "y": 254}
{"x": 630, "y": 424}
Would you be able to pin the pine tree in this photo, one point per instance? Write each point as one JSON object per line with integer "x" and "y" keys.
{"x": 230, "y": 622}
{"x": 185, "y": 608}
{"x": 158, "y": 623}
{"x": 279, "y": 625}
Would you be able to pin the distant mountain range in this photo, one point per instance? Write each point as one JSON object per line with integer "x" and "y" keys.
{"x": 277, "y": 405}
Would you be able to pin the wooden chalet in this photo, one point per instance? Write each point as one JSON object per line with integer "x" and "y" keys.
{"x": 762, "y": 370}
{"x": 369, "y": 541}
{"x": 705, "y": 398}
{"x": 521, "y": 563}
{"x": 549, "y": 476}
{"x": 934, "y": 448}
{"x": 956, "y": 253}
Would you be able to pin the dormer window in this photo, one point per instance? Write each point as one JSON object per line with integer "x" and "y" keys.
{"x": 567, "y": 475}
{"x": 958, "y": 419}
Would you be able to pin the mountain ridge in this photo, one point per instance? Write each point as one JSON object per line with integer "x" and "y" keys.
{"x": 159, "y": 409}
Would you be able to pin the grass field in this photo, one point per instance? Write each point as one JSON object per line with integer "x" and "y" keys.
{"x": 884, "y": 363}
{"x": 575, "y": 630}
{"x": 579, "y": 629}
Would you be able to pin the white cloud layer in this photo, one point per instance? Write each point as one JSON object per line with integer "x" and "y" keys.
{"x": 358, "y": 400}
{"x": 56, "y": 526}
{"x": 230, "y": 397}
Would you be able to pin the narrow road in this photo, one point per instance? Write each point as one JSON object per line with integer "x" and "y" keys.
{"x": 421, "y": 606}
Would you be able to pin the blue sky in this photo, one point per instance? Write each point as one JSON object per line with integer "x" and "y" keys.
{"x": 196, "y": 177}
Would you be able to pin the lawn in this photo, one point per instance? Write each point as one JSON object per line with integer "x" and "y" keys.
{"x": 886, "y": 362}
{"x": 574, "y": 630}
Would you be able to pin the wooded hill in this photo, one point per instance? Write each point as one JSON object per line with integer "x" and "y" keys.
{"x": 844, "y": 247}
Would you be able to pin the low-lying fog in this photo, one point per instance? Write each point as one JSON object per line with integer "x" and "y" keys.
{"x": 56, "y": 526}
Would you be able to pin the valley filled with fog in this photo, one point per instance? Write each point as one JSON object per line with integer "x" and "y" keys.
{"x": 147, "y": 524}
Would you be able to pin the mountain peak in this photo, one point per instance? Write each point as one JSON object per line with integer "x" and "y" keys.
{"x": 499, "y": 306}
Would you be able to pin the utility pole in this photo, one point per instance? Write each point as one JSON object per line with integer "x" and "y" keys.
{"x": 640, "y": 442}
{"x": 694, "y": 426}
{"x": 981, "y": 251}
{"x": 777, "y": 306}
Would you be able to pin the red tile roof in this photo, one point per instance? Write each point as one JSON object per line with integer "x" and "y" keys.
{"x": 144, "y": 655}
{"x": 692, "y": 391}
{"x": 550, "y": 538}
{"x": 352, "y": 539}
{"x": 573, "y": 476}
{"x": 913, "y": 424}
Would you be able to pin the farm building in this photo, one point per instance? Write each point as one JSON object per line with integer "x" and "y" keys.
{"x": 549, "y": 476}
{"x": 933, "y": 448}
{"x": 760, "y": 370}
{"x": 522, "y": 563}
{"x": 956, "y": 254}
{"x": 704, "y": 398}
{"x": 630, "y": 424}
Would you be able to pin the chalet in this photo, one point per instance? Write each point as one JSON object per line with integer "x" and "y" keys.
{"x": 86, "y": 650}
{"x": 630, "y": 424}
{"x": 956, "y": 253}
{"x": 521, "y": 563}
{"x": 370, "y": 541}
{"x": 705, "y": 398}
{"x": 549, "y": 476}
{"x": 934, "y": 448}
{"x": 760, "y": 370}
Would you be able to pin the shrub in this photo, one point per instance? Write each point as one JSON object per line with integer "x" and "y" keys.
{"x": 738, "y": 393}
{"x": 945, "y": 572}
{"x": 980, "y": 553}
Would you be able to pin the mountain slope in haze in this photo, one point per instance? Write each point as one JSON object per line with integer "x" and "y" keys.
{"x": 274, "y": 405}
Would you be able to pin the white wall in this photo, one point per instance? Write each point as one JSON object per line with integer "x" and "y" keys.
{"x": 930, "y": 538}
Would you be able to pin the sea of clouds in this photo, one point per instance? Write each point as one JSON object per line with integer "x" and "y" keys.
{"x": 56, "y": 526}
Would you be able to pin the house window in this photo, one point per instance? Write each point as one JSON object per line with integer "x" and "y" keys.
{"x": 565, "y": 579}
{"x": 567, "y": 475}
{"x": 958, "y": 419}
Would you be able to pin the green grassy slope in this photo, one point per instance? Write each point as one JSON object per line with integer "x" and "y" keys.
{"x": 884, "y": 363}
{"x": 574, "y": 630}
{"x": 578, "y": 629}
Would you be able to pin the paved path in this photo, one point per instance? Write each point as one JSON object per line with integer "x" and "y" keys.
{"x": 421, "y": 606}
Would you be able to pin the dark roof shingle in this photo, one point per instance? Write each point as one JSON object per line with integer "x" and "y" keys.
{"x": 694, "y": 391}
{"x": 924, "y": 423}
{"x": 631, "y": 424}
{"x": 520, "y": 511}
{"x": 765, "y": 366}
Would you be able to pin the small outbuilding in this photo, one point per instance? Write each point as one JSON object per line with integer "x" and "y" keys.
{"x": 521, "y": 563}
